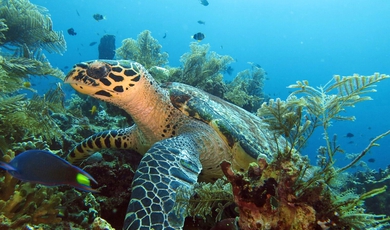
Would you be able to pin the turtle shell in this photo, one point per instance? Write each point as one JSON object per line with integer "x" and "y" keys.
{"x": 245, "y": 133}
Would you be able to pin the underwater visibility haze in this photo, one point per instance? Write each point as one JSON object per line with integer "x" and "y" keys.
{"x": 196, "y": 114}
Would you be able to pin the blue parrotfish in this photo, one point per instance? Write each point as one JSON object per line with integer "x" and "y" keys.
{"x": 43, "y": 167}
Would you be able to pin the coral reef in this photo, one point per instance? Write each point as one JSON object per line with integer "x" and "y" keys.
{"x": 107, "y": 47}
{"x": 246, "y": 89}
{"x": 296, "y": 120}
{"x": 215, "y": 196}
{"x": 33, "y": 123}
{"x": 202, "y": 69}
{"x": 26, "y": 29}
{"x": 288, "y": 192}
{"x": 145, "y": 50}
{"x": 265, "y": 197}
{"x": 115, "y": 174}
{"x": 25, "y": 24}
{"x": 25, "y": 118}
{"x": 26, "y": 203}
{"x": 367, "y": 180}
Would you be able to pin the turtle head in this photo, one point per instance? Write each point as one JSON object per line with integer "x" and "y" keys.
{"x": 107, "y": 80}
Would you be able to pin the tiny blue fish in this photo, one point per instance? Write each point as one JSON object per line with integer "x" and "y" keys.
{"x": 45, "y": 168}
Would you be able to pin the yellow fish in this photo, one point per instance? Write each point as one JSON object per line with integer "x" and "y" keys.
{"x": 27, "y": 84}
{"x": 93, "y": 110}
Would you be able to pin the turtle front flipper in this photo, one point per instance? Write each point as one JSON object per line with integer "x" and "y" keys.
{"x": 112, "y": 139}
{"x": 169, "y": 164}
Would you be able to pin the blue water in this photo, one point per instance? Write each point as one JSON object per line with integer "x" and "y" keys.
{"x": 291, "y": 40}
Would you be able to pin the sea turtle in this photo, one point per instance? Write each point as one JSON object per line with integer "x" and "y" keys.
{"x": 182, "y": 132}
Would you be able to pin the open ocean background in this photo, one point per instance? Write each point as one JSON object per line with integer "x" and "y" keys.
{"x": 291, "y": 40}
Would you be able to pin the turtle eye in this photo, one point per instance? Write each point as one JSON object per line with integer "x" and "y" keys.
{"x": 98, "y": 70}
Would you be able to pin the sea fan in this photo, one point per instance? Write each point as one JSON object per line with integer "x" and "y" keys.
{"x": 29, "y": 25}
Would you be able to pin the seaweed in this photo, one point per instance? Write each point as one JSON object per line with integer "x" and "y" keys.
{"x": 145, "y": 50}
{"x": 3, "y": 29}
{"x": 30, "y": 25}
{"x": 16, "y": 69}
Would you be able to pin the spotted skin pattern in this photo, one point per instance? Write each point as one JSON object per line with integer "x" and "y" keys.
{"x": 113, "y": 139}
{"x": 183, "y": 134}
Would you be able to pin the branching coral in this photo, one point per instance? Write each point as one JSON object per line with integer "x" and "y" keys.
{"x": 27, "y": 29}
{"x": 30, "y": 25}
{"x": 296, "y": 119}
{"x": 146, "y": 50}
{"x": 289, "y": 193}
{"x": 246, "y": 89}
{"x": 16, "y": 69}
{"x": 31, "y": 117}
{"x": 209, "y": 198}
{"x": 202, "y": 69}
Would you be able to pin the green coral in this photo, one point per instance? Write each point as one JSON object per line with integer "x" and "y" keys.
{"x": 31, "y": 117}
{"x": 145, "y": 50}
{"x": 202, "y": 69}
{"x": 297, "y": 118}
{"x": 210, "y": 198}
{"x": 246, "y": 89}
{"x": 29, "y": 25}
{"x": 318, "y": 190}
{"x": 26, "y": 29}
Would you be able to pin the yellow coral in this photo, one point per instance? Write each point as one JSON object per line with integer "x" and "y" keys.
{"x": 25, "y": 203}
